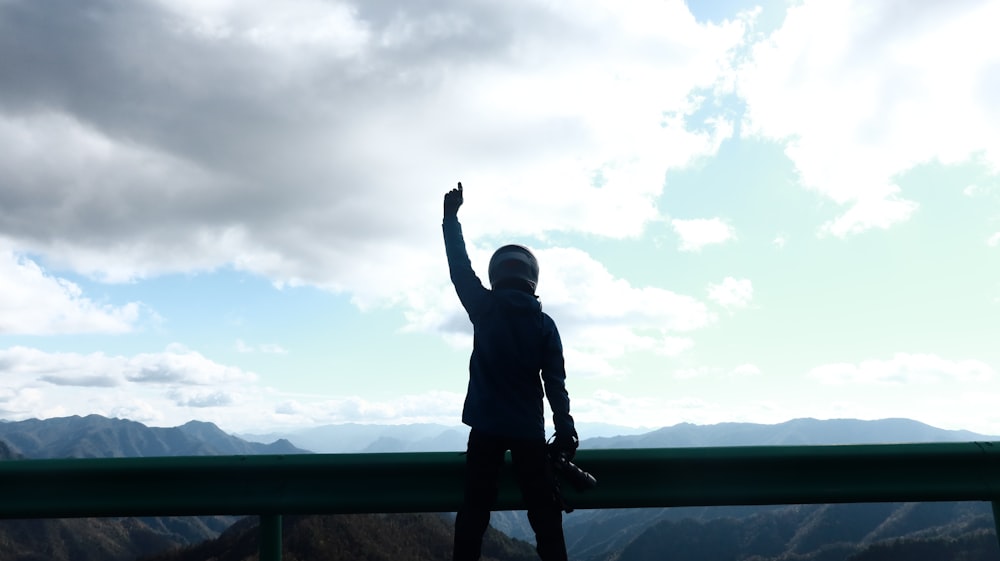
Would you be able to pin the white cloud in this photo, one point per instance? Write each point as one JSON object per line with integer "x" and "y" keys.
{"x": 745, "y": 370}
{"x": 904, "y": 369}
{"x": 576, "y": 287}
{"x": 175, "y": 366}
{"x": 157, "y": 388}
{"x": 111, "y": 209}
{"x": 131, "y": 408}
{"x": 881, "y": 211}
{"x": 672, "y": 346}
{"x": 655, "y": 410}
{"x": 177, "y": 385}
{"x": 692, "y": 373}
{"x": 289, "y": 30}
{"x": 959, "y": 398}
{"x": 699, "y": 232}
{"x": 186, "y": 397}
{"x": 994, "y": 240}
{"x": 611, "y": 407}
{"x": 35, "y": 303}
{"x": 976, "y": 190}
{"x": 241, "y": 404}
{"x": 731, "y": 293}
{"x": 266, "y": 348}
{"x": 861, "y": 92}
{"x": 601, "y": 318}
{"x": 430, "y": 407}
{"x": 702, "y": 372}
{"x": 306, "y": 142}
{"x": 181, "y": 365}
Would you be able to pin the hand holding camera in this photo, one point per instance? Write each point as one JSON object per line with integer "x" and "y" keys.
{"x": 562, "y": 450}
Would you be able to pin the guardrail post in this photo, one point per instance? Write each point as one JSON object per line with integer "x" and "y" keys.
{"x": 996, "y": 518}
{"x": 270, "y": 537}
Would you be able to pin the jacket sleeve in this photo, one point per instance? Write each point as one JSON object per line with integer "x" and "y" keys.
{"x": 554, "y": 378}
{"x": 468, "y": 286}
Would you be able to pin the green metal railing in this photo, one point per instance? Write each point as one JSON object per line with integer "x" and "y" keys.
{"x": 270, "y": 486}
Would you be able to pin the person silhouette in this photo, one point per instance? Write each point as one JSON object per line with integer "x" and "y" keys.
{"x": 517, "y": 360}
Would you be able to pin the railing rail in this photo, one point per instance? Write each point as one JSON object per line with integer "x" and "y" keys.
{"x": 431, "y": 482}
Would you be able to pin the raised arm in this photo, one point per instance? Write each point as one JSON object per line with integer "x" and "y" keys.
{"x": 467, "y": 285}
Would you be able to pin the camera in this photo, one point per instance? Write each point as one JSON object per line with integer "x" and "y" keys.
{"x": 579, "y": 479}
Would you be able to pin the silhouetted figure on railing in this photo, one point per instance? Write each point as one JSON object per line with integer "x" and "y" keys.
{"x": 517, "y": 359}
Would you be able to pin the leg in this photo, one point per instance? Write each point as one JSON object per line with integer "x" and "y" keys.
{"x": 483, "y": 460}
{"x": 537, "y": 482}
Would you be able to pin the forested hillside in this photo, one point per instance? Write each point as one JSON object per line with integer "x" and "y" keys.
{"x": 891, "y": 531}
{"x": 357, "y": 537}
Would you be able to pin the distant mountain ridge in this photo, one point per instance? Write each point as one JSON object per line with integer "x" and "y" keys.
{"x": 351, "y": 438}
{"x": 95, "y": 436}
{"x": 796, "y": 432}
{"x": 821, "y": 533}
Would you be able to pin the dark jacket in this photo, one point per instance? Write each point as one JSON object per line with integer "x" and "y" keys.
{"x": 516, "y": 351}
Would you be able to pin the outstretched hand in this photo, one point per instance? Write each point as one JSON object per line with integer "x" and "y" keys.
{"x": 452, "y": 200}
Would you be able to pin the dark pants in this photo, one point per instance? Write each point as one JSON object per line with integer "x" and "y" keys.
{"x": 484, "y": 460}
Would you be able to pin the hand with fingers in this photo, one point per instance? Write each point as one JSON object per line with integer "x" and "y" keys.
{"x": 452, "y": 200}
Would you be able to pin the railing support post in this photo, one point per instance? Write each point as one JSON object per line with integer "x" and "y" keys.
{"x": 996, "y": 518}
{"x": 270, "y": 537}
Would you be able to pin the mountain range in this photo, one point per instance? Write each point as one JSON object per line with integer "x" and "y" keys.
{"x": 811, "y": 432}
{"x": 822, "y": 533}
{"x": 95, "y": 436}
{"x": 350, "y": 438}
{"x": 361, "y": 438}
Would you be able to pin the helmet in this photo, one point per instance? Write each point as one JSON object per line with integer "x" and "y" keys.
{"x": 514, "y": 262}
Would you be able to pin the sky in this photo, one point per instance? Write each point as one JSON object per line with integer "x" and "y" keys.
{"x": 230, "y": 210}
